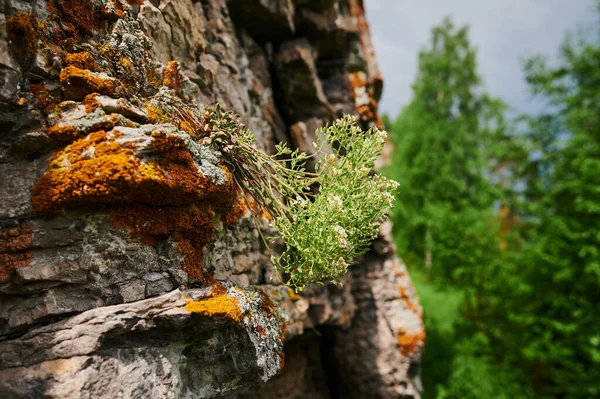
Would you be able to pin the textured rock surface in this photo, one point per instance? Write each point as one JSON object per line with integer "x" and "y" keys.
{"x": 127, "y": 266}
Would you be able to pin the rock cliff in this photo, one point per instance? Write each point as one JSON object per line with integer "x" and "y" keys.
{"x": 128, "y": 266}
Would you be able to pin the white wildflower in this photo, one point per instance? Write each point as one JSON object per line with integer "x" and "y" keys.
{"x": 335, "y": 202}
{"x": 341, "y": 236}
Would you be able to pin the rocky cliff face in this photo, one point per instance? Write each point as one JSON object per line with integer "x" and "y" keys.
{"x": 128, "y": 266}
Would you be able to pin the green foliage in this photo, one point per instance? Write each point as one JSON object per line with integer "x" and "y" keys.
{"x": 448, "y": 143}
{"x": 443, "y": 140}
{"x": 441, "y": 316}
{"x": 562, "y": 258}
{"x": 529, "y": 275}
{"x": 476, "y": 374}
{"x": 323, "y": 233}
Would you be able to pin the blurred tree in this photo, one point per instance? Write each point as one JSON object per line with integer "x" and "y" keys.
{"x": 502, "y": 231}
{"x": 561, "y": 263}
{"x": 450, "y": 146}
{"x": 444, "y": 140}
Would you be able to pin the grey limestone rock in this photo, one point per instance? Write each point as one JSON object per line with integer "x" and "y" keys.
{"x": 125, "y": 271}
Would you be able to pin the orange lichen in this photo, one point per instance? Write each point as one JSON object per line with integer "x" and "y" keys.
{"x": 67, "y": 133}
{"x": 407, "y": 299}
{"x": 193, "y": 260}
{"x": 80, "y": 13}
{"x": 78, "y": 83}
{"x": 99, "y": 169}
{"x": 366, "y": 110}
{"x": 257, "y": 209}
{"x": 46, "y": 99}
{"x": 238, "y": 210}
{"x": 282, "y": 328}
{"x": 267, "y": 304}
{"x": 409, "y": 343}
{"x": 281, "y": 360}
{"x": 22, "y": 30}
{"x": 117, "y": 8}
{"x": 260, "y": 330}
{"x": 14, "y": 250}
{"x": 82, "y": 60}
{"x": 217, "y": 288}
{"x": 220, "y": 306}
{"x": 410, "y": 300}
{"x": 172, "y": 77}
{"x": 136, "y": 2}
{"x": 91, "y": 103}
{"x": 189, "y": 226}
{"x": 93, "y": 169}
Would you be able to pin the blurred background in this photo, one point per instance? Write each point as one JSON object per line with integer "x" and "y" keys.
{"x": 493, "y": 109}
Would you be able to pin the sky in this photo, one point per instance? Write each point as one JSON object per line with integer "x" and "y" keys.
{"x": 504, "y": 31}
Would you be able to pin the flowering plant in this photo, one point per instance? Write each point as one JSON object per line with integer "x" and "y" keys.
{"x": 323, "y": 232}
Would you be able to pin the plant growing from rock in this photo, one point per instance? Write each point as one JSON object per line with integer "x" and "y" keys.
{"x": 323, "y": 232}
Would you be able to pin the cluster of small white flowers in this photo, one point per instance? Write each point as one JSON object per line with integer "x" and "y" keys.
{"x": 302, "y": 202}
{"x": 341, "y": 236}
{"x": 364, "y": 171}
{"x": 340, "y": 266}
{"x": 335, "y": 202}
{"x": 389, "y": 198}
{"x": 381, "y": 135}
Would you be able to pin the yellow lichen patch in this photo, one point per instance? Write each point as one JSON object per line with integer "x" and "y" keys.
{"x": 65, "y": 132}
{"x": 82, "y": 60}
{"x": 156, "y": 115}
{"x": 409, "y": 343}
{"x": 220, "y": 306}
{"x": 78, "y": 83}
{"x": 172, "y": 77}
{"x": 99, "y": 169}
{"x": 292, "y": 295}
{"x": 95, "y": 169}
